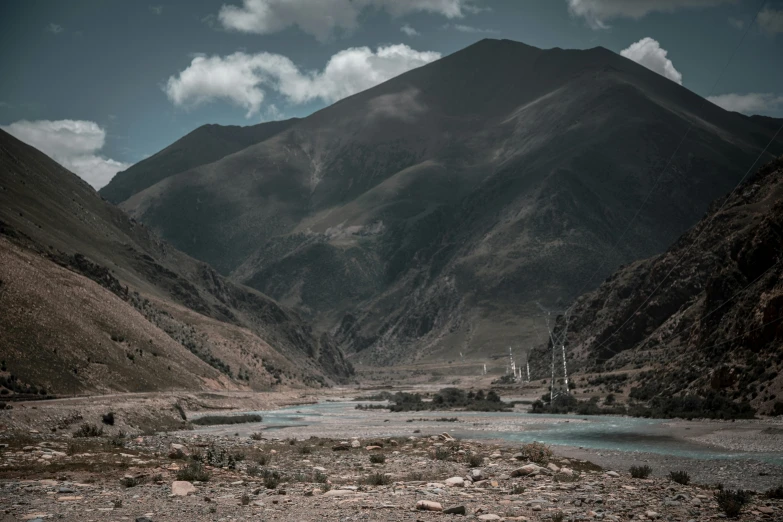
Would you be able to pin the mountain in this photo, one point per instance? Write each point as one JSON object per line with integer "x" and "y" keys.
{"x": 429, "y": 215}
{"x": 204, "y": 145}
{"x": 93, "y": 301}
{"x": 706, "y": 315}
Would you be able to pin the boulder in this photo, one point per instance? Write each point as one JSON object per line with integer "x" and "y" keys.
{"x": 476, "y": 475}
{"x": 182, "y": 488}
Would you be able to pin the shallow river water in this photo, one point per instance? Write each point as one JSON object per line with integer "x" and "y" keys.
{"x": 611, "y": 433}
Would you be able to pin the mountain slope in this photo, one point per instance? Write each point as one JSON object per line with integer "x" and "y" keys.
{"x": 715, "y": 323}
{"x": 155, "y": 298}
{"x": 204, "y": 145}
{"x": 429, "y": 214}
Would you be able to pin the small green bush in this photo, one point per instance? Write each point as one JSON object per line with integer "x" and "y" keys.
{"x": 680, "y": 477}
{"x": 129, "y": 482}
{"x": 377, "y": 458}
{"x": 640, "y": 472}
{"x": 474, "y": 461}
{"x": 193, "y": 472}
{"x": 731, "y": 502}
{"x": 88, "y": 430}
{"x": 537, "y": 452}
{"x": 378, "y": 479}
{"x": 264, "y": 459}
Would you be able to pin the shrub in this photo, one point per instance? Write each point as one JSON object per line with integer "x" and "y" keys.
{"x": 245, "y": 499}
{"x": 474, "y": 461}
{"x": 320, "y": 478}
{"x": 88, "y": 430}
{"x": 441, "y": 453}
{"x": 378, "y": 479}
{"x": 305, "y": 450}
{"x": 271, "y": 481}
{"x": 680, "y": 477}
{"x": 108, "y": 418}
{"x": 194, "y": 471}
{"x": 129, "y": 482}
{"x": 264, "y": 459}
{"x": 775, "y": 493}
{"x": 731, "y": 502}
{"x": 537, "y": 452}
{"x": 377, "y": 458}
{"x": 517, "y": 489}
{"x": 640, "y": 472}
{"x": 257, "y": 436}
{"x": 558, "y": 517}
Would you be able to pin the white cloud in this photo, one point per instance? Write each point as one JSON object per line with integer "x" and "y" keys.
{"x": 750, "y": 103}
{"x": 410, "y": 31}
{"x": 470, "y": 29}
{"x": 598, "y": 12}
{"x": 242, "y": 78}
{"x": 156, "y": 9}
{"x": 54, "y": 28}
{"x": 272, "y": 113}
{"x": 322, "y": 18}
{"x": 72, "y": 143}
{"x": 771, "y": 20}
{"x": 648, "y": 52}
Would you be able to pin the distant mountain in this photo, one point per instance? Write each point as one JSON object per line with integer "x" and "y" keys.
{"x": 705, "y": 315}
{"x": 93, "y": 301}
{"x": 430, "y": 214}
{"x": 204, "y": 145}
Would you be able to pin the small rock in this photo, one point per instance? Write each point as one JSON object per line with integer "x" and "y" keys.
{"x": 554, "y": 467}
{"x": 651, "y": 514}
{"x": 489, "y": 516}
{"x": 143, "y": 519}
{"x": 355, "y": 444}
{"x": 427, "y": 505}
{"x": 476, "y": 475}
{"x": 527, "y": 469}
{"x": 338, "y": 492}
{"x": 455, "y": 510}
{"x": 455, "y": 482}
{"x": 612, "y": 474}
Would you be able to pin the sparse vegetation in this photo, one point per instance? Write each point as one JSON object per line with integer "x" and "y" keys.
{"x": 537, "y": 452}
{"x": 680, "y": 477}
{"x": 129, "y": 482}
{"x": 775, "y": 493}
{"x": 88, "y": 430}
{"x": 558, "y": 516}
{"x": 731, "y": 502}
{"x": 475, "y": 460}
{"x": 108, "y": 418}
{"x": 640, "y": 472}
{"x": 194, "y": 472}
{"x": 378, "y": 479}
{"x": 377, "y": 458}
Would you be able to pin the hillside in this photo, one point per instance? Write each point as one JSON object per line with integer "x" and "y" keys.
{"x": 204, "y": 145}
{"x": 714, "y": 324}
{"x": 95, "y": 302}
{"x": 430, "y": 214}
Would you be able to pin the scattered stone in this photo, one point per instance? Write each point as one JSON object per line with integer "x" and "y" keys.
{"x": 526, "y": 470}
{"x": 182, "y": 488}
{"x": 427, "y": 505}
{"x": 455, "y": 482}
{"x": 455, "y": 510}
{"x": 489, "y": 516}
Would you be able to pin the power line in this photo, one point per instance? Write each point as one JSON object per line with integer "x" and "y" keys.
{"x": 671, "y": 158}
{"x": 692, "y": 244}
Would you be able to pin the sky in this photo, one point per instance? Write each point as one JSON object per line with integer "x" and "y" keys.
{"x": 102, "y": 84}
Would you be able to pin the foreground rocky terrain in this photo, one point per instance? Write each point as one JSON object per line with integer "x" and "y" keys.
{"x": 405, "y": 478}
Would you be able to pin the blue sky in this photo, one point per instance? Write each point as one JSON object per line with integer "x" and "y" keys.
{"x": 100, "y": 85}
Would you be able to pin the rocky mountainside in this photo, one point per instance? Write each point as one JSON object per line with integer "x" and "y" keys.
{"x": 706, "y": 315}
{"x": 204, "y": 145}
{"x": 93, "y": 301}
{"x": 428, "y": 215}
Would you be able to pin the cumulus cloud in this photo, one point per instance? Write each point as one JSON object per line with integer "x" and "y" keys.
{"x": 648, "y": 52}
{"x": 322, "y": 18}
{"x": 771, "y": 20}
{"x": 242, "y": 78}
{"x": 750, "y": 103}
{"x": 74, "y": 144}
{"x": 598, "y": 12}
{"x": 54, "y": 28}
{"x": 410, "y": 31}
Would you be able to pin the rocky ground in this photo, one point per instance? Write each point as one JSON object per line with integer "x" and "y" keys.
{"x": 257, "y": 477}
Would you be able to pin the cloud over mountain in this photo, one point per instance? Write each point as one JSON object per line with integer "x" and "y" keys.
{"x": 648, "y": 52}
{"x": 598, "y": 12}
{"x": 242, "y": 78}
{"x": 750, "y": 103}
{"x": 75, "y": 144}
